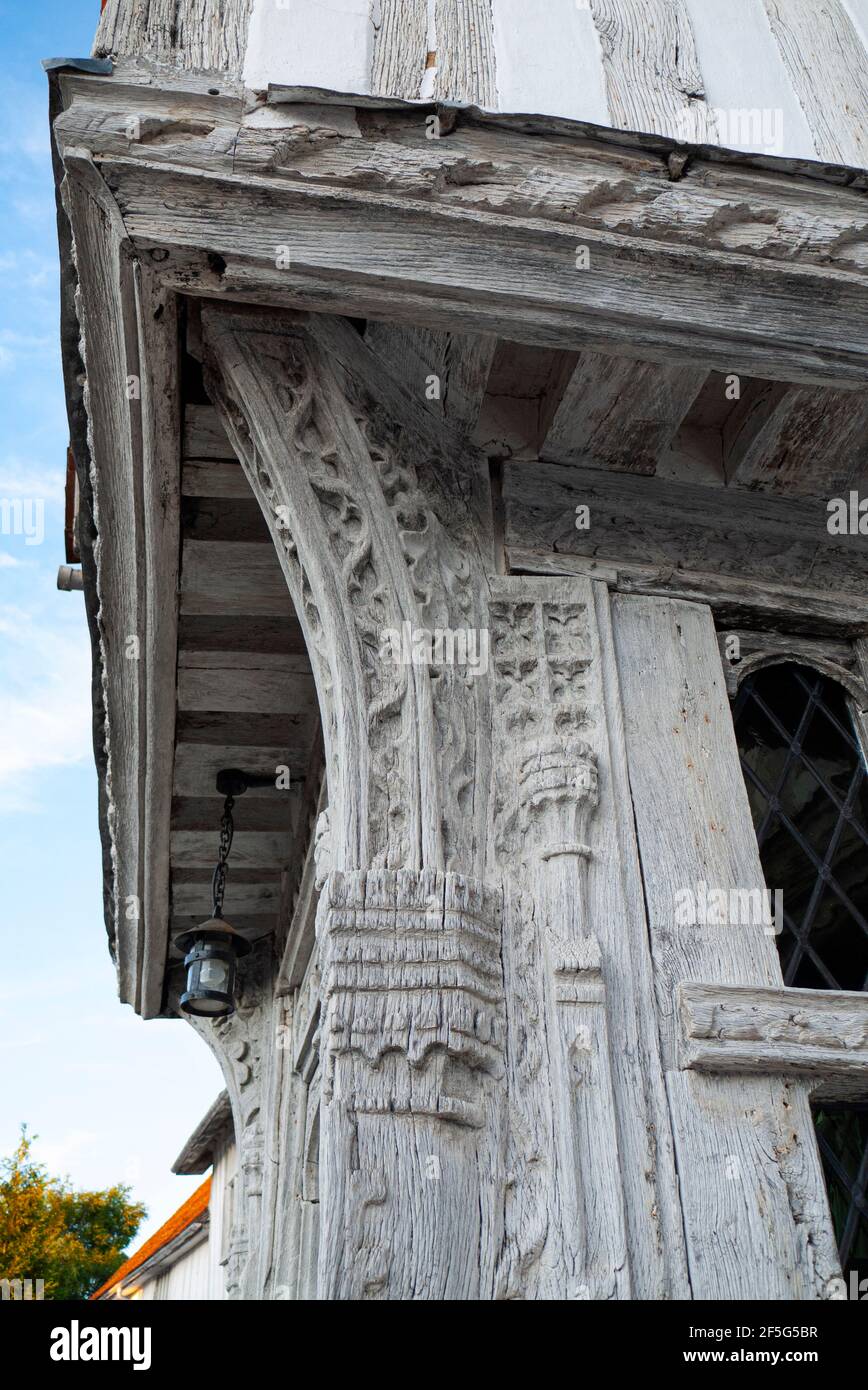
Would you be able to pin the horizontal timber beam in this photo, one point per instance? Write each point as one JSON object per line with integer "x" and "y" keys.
{"x": 758, "y": 559}
{"x": 813, "y": 1033}
{"x": 546, "y": 239}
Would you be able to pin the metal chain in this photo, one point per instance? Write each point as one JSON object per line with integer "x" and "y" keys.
{"x": 227, "y": 830}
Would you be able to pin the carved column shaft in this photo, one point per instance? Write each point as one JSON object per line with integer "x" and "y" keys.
{"x": 413, "y": 1055}
{"x": 371, "y": 511}
{"x": 545, "y": 717}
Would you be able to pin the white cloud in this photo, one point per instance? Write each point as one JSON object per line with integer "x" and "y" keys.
{"x": 46, "y": 702}
{"x": 19, "y": 477}
{"x": 27, "y": 266}
{"x": 25, "y": 119}
{"x": 69, "y": 1148}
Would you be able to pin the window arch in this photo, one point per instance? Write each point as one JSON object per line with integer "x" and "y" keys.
{"x": 807, "y": 784}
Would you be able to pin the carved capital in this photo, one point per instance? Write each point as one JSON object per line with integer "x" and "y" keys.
{"x": 412, "y": 993}
{"x": 558, "y": 790}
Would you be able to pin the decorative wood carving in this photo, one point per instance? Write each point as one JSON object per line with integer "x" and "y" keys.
{"x": 567, "y": 1213}
{"x": 241, "y": 1044}
{"x": 412, "y": 993}
{"x": 365, "y": 550}
{"x": 413, "y": 1041}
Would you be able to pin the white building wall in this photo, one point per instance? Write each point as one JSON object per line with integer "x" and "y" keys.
{"x": 199, "y": 1273}
{"x": 187, "y": 1278}
{"x": 784, "y": 77}
{"x": 222, "y": 1178}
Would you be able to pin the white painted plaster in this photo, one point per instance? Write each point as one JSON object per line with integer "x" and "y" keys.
{"x": 744, "y": 73}
{"x": 315, "y": 43}
{"x": 548, "y": 60}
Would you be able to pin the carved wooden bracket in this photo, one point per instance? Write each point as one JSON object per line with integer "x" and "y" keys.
{"x": 812, "y": 1034}
{"x": 412, "y": 993}
{"x": 413, "y": 1044}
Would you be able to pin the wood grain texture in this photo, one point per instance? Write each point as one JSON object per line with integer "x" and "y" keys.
{"x": 239, "y": 634}
{"x": 213, "y": 478}
{"x": 250, "y": 849}
{"x": 755, "y": 1211}
{"x": 802, "y": 442}
{"x": 189, "y": 33}
{"x": 619, "y": 414}
{"x": 412, "y": 1060}
{"x": 157, "y": 315}
{"x": 825, "y": 59}
{"x": 400, "y": 48}
{"x": 204, "y": 435}
{"x": 818, "y": 1035}
{"x": 653, "y": 78}
{"x": 263, "y": 358}
{"x": 497, "y": 238}
{"x": 459, "y": 362}
{"x": 577, "y": 970}
{"x": 735, "y": 602}
{"x": 246, "y": 689}
{"x": 743, "y": 652}
{"x": 223, "y": 519}
{"x": 129, "y": 335}
{"x": 197, "y": 765}
{"x": 674, "y": 526}
{"x": 235, "y": 578}
{"x": 466, "y": 62}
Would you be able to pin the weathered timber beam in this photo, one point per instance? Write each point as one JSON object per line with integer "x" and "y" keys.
{"x": 240, "y": 577}
{"x": 651, "y": 66}
{"x": 489, "y": 274}
{"x": 822, "y": 52}
{"x": 734, "y": 602}
{"x": 817, "y": 1034}
{"x": 742, "y": 652}
{"x": 747, "y": 554}
{"x": 197, "y": 766}
{"x": 485, "y": 230}
{"x": 187, "y": 33}
{"x": 204, "y": 436}
{"x": 128, "y": 324}
{"x": 247, "y": 689}
{"x": 798, "y": 440}
{"x": 619, "y": 414}
{"x": 447, "y": 370}
{"x": 694, "y": 827}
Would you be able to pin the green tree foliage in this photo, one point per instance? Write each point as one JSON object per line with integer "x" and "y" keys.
{"x": 72, "y": 1240}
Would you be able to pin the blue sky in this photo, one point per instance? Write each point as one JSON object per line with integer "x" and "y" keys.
{"x": 111, "y": 1098}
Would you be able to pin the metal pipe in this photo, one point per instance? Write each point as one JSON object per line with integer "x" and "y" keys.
{"x": 69, "y": 578}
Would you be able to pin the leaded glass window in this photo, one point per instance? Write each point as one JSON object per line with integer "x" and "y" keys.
{"x": 808, "y": 791}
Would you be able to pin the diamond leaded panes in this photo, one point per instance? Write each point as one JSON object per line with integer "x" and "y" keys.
{"x": 808, "y": 791}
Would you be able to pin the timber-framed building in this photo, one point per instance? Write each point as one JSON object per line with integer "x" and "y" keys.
{"x": 469, "y": 421}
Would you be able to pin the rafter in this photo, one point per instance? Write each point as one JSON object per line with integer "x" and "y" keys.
{"x": 619, "y": 414}
{"x": 797, "y": 440}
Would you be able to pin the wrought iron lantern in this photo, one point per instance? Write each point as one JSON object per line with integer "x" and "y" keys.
{"x": 211, "y": 951}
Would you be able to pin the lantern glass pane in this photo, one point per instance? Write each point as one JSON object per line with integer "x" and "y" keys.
{"x": 208, "y": 1006}
{"x": 214, "y": 974}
